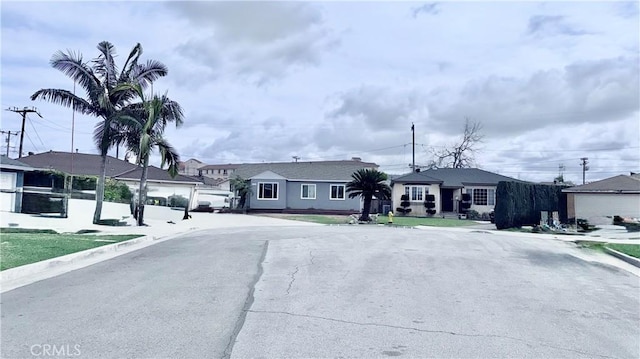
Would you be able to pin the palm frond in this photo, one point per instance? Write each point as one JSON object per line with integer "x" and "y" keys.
{"x": 67, "y": 99}
{"x": 169, "y": 156}
{"x": 131, "y": 62}
{"x": 71, "y": 65}
{"x": 145, "y": 74}
{"x": 105, "y": 64}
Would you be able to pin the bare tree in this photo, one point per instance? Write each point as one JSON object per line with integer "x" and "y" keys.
{"x": 461, "y": 154}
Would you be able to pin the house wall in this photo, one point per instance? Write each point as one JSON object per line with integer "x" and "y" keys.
{"x": 322, "y": 201}
{"x": 481, "y": 208}
{"x": 191, "y": 167}
{"x": 280, "y": 203}
{"x": 417, "y": 208}
{"x": 599, "y": 208}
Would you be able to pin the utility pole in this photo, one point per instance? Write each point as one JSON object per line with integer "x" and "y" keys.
{"x": 413, "y": 151}
{"x": 9, "y": 133}
{"x": 24, "y": 113}
{"x": 585, "y": 168}
{"x": 296, "y": 158}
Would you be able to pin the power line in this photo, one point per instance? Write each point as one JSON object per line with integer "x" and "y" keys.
{"x": 9, "y": 133}
{"x": 34, "y": 130}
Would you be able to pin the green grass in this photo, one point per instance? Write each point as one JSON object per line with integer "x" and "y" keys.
{"x": 628, "y": 249}
{"x": 429, "y": 221}
{"x": 18, "y": 249}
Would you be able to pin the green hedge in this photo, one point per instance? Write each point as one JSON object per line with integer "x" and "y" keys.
{"x": 519, "y": 204}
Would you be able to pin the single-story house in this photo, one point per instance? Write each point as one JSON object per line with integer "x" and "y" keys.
{"x": 317, "y": 186}
{"x": 599, "y": 201}
{"x": 159, "y": 183}
{"x": 447, "y": 186}
{"x": 11, "y": 183}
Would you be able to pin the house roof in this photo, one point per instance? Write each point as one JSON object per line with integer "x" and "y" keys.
{"x": 83, "y": 163}
{"x": 155, "y": 174}
{"x": 86, "y": 164}
{"x": 417, "y": 178}
{"x": 456, "y": 177}
{"x": 306, "y": 171}
{"x": 617, "y": 184}
{"x": 6, "y": 162}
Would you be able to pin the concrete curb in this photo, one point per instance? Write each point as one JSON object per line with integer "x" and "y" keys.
{"x": 627, "y": 258}
{"x": 30, "y": 273}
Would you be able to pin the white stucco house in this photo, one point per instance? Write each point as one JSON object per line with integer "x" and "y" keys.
{"x": 447, "y": 185}
{"x": 599, "y": 201}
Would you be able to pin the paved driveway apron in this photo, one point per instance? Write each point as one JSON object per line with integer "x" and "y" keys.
{"x": 338, "y": 291}
{"x": 384, "y": 292}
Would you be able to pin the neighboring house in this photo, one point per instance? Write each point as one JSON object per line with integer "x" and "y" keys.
{"x": 159, "y": 183}
{"x": 447, "y": 185}
{"x": 11, "y": 183}
{"x": 318, "y": 186}
{"x": 599, "y": 201}
{"x": 189, "y": 167}
{"x": 218, "y": 171}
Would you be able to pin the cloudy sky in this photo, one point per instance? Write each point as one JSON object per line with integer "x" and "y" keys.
{"x": 550, "y": 82}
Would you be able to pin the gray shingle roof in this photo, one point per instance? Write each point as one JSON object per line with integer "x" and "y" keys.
{"x": 83, "y": 163}
{"x": 309, "y": 171}
{"x": 6, "y": 162}
{"x": 457, "y": 177}
{"x": 416, "y": 178}
{"x": 617, "y": 184}
{"x": 155, "y": 174}
{"x": 86, "y": 164}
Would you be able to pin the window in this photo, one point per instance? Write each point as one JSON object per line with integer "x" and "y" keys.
{"x": 308, "y": 191}
{"x": 224, "y": 172}
{"x": 491, "y": 197}
{"x": 480, "y": 196}
{"x": 267, "y": 191}
{"x": 337, "y": 191}
{"x": 416, "y": 193}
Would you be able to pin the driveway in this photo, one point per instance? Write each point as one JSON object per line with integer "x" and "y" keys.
{"x": 333, "y": 291}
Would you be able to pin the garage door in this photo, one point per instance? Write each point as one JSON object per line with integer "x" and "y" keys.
{"x": 7, "y": 199}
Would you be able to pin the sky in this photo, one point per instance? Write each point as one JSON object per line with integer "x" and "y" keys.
{"x": 549, "y": 82}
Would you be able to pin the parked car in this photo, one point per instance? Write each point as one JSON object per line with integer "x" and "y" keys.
{"x": 203, "y": 206}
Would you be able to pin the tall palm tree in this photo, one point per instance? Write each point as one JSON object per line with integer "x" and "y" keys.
{"x": 367, "y": 183}
{"x": 145, "y": 124}
{"x": 99, "y": 78}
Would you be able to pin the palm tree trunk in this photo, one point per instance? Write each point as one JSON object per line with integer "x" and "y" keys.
{"x": 366, "y": 209}
{"x": 142, "y": 193}
{"x": 100, "y": 190}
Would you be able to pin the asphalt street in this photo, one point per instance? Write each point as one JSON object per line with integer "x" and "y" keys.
{"x": 333, "y": 291}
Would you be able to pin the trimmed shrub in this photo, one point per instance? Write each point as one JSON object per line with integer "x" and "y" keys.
{"x": 115, "y": 191}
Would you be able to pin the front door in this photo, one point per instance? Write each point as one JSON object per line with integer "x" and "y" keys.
{"x": 446, "y": 198}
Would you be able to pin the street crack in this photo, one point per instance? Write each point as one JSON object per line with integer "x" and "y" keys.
{"x": 428, "y": 331}
{"x": 293, "y": 279}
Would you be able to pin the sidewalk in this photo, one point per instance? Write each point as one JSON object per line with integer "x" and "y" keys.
{"x": 160, "y": 221}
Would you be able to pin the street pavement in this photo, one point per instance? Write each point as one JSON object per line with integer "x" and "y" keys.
{"x": 333, "y": 291}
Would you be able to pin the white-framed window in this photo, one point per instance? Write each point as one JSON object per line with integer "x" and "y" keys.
{"x": 267, "y": 190}
{"x": 308, "y": 191}
{"x": 416, "y": 193}
{"x": 336, "y": 192}
{"x": 480, "y": 196}
{"x": 491, "y": 197}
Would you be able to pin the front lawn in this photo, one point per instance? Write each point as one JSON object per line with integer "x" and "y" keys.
{"x": 317, "y": 218}
{"x": 628, "y": 249}
{"x": 18, "y": 249}
{"x": 428, "y": 221}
